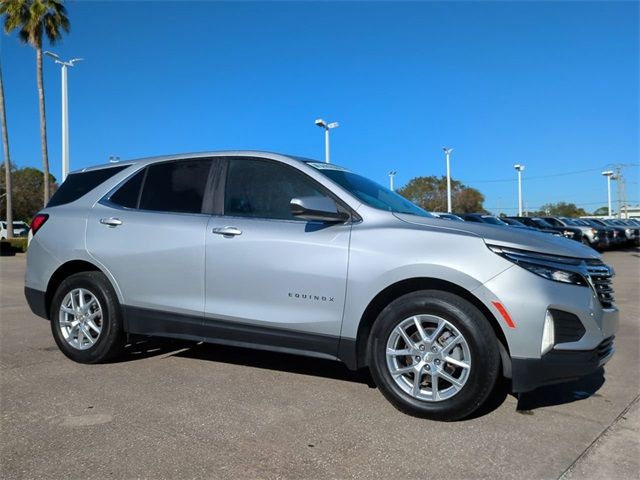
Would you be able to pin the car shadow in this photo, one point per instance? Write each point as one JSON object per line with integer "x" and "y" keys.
{"x": 527, "y": 403}
{"x": 148, "y": 347}
{"x": 269, "y": 360}
{"x": 562, "y": 393}
{"x": 316, "y": 367}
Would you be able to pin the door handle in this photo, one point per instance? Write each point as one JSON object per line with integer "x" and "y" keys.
{"x": 227, "y": 231}
{"x": 112, "y": 222}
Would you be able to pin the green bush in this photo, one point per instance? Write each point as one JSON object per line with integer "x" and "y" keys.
{"x": 17, "y": 244}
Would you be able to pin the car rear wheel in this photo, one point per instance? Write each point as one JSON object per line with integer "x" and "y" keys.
{"x": 85, "y": 318}
{"x": 434, "y": 355}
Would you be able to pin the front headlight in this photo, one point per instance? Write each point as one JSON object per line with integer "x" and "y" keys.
{"x": 543, "y": 265}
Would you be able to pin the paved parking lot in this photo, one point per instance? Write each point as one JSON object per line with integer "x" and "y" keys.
{"x": 175, "y": 410}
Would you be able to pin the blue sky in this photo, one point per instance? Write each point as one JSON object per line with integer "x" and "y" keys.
{"x": 552, "y": 85}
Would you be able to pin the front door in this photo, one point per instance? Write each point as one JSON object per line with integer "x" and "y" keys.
{"x": 273, "y": 279}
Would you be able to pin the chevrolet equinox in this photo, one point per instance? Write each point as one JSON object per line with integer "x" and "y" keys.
{"x": 282, "y": 253}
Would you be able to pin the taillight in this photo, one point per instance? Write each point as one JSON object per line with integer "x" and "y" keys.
{"x": 38, "y": 221}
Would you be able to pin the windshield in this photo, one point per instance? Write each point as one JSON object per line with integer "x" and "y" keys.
{"x": 511, "y": 221}
{"x": 450, "y": 216}
{"x": 368, "y": 191}
{"x": 492, "y": 220}
{"x": 568, "y": 221}
{"x": 542, "y": 223}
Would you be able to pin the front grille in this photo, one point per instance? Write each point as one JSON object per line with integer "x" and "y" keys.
{"x": 605, "y": 347}
{"x": 600, "y": 276}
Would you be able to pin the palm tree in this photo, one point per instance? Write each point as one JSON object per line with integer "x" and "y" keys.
{"x": 34, "y": 19}
{"x": 7, "y": 162}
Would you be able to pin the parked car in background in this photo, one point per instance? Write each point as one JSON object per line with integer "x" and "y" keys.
{"x": 631, "y": 232}
{"x": 615, "y": 234}
{"x": 481, "y": 218}
{"x": 447, "y": 216}
{"x": 20, "y": 229}
{"x": 517, "y": 223}
{"x": 593, "y": 237}
{"x": 572, "y": 233}
{"x": 262, "y": 250}
{"x": 605, "y": 231}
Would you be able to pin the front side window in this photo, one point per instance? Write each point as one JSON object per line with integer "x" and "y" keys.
{"x": 263, "y": 189}
{"x": 176, "y": 186}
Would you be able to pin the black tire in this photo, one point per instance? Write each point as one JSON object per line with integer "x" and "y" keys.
{"x": 111, "y": 339}
{"x": 479, "y": 336}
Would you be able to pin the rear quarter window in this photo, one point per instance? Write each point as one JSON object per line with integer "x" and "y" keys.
{"x": 79, "y": 184}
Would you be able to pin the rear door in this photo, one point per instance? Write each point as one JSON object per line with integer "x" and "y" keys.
{"x": 150, "y": 235}
{"x": 274, "y": 279}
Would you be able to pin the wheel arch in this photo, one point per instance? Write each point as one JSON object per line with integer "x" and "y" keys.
{"x": 64, "y": 271}
{"x": 358, "y": 357}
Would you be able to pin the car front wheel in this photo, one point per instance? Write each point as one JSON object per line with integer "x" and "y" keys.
{"x": 434, "y": 355}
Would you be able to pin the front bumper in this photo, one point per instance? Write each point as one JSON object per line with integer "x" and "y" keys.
{"x": 558, "y": 366}
{"x": 527, "y": 297}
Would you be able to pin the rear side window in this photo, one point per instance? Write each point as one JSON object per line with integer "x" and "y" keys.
{"x": 129, "y": 193}
{"x": 175, "y": 186}
{"x": 78, "y": 184}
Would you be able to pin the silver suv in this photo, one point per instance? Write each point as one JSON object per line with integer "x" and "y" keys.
{"x": 282, "y": 253}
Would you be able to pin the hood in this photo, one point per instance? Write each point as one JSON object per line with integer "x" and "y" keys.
{"x": 506, "y": 236}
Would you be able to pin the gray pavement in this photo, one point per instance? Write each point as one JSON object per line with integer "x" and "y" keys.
{"x": 178, "y": 410}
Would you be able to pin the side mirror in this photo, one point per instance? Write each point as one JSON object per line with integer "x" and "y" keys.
{"x": 321, "y": 209}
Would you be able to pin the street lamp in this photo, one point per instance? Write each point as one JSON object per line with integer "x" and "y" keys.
{"x": 65, "y": 110}
{"x": 519, "y": 168}
{"x": 327, "y": 126}
{"x": 447, "y": 154}
{"x": 392, "y": 174}
{"x": 608, "y": 174}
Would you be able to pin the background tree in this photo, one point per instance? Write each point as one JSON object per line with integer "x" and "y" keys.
{"x": 28, "y": 187}
{"x": 35, "y": 19}
{"x": 602, "y": 211}
{"x": 562, "y": 209}
{"x": 8, "y": 192}
{"x": 430, "y": 193}
{"x": 467, "y": 200}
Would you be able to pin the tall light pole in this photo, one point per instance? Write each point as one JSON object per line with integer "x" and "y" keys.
{"x": 65, "y": 110}
{"x": 519, "y": 168}
{"x": 608, "y": 174}
{"x": 327, "y": 126}
{"x": 392, "y": 174}
{"x": 447, "y": 154}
